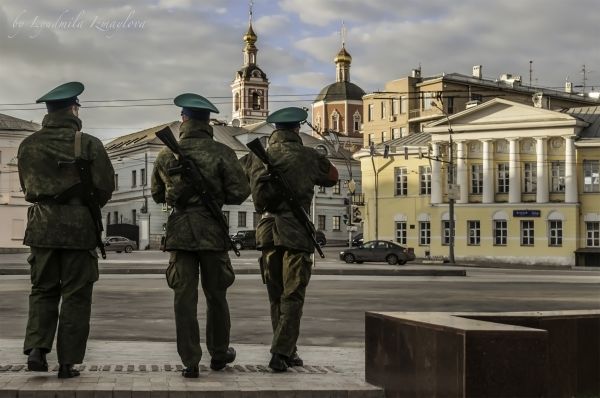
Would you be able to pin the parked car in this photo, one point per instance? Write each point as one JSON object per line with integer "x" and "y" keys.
{"x": 244, "y": 239}
{"x": 357, "y": 240}
{"x": 321, "y": 238}
{"x": 247, "y": 239}
{"x": 378, "y": 250}
{"x": 119, "y": 244}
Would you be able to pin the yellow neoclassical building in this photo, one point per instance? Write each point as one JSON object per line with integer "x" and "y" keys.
{"x": 527, "y": 186}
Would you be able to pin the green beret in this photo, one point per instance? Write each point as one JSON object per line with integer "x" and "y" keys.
{"x": 62, "y": 93}
{"x": 288, "y": 115}
{"x": 195, "y": 101}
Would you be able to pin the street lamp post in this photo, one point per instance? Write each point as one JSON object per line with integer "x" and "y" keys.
{"x": 451, "y": 186}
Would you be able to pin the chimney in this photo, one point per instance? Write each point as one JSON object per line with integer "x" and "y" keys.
{"x": 568, "y": 87}
{"x": 416, "y": 73}
{"x": 477, "y": 72}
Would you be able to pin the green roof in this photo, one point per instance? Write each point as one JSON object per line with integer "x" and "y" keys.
{"x": 340, "y": 91}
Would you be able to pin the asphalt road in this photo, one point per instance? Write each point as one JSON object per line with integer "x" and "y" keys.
{"x": 139, "y": 307}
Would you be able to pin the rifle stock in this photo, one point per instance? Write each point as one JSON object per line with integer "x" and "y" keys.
{"x": 297, "y": 210}
{"x": 190, "y": 171}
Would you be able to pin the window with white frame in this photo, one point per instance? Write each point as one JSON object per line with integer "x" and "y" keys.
{"x": 337, "y": 188}
{"x": 241, "y": 218}
{"x": 555, "y": 232}
{"x": 396, "y": 133}
{"x": 424, "y": 233}
{"x": 477, "y": 179}
{"x": 356, "y": 122}
{"x": 370, "y": 112}
{"x": 502, "y": 178}
{"x": 335, "y": 121}
{"x": 371, "y": 138}
{"x": 593, "y": 233}
{"x": 402, "y": 132}
{"x": 591, "y": 176}
{"x": 335, "y": 223}
{"x": 403, "y": 104}
{"x": 401, "y": 178}
{"x": 424, "y": 180}
{"x": 395, "y": 106}
{"x": 527, "y": 233}
{"x": 557, "y": 176}
{"x": 133, "y": 178}
{"x": 383, "y": 109}
{"x": 401, "y": 232}
{"x": 500, "y": 232}
{"x": 474, "y": 231}
{"x": 384, "y": 136}
{"x": 427, "y": 98}
{"x": 321, "y": 223}
{"x": 321, "y": 189}
{"x": 445, "y": 232}
{"x": 529, "y": 177}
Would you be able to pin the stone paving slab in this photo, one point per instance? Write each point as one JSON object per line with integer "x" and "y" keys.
{"x": 121, "y": 369}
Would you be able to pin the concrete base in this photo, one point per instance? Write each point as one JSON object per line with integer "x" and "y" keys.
{"x": 536, "y": 354}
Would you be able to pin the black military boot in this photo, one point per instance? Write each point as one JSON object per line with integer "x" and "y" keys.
{"x": 36, "y": 361}
{"x": 67, "y": 371}
{"x": 278, "y": 363}
{"x": 191, "y": 372}
{"x": 294, "y": 360}
{"x": 218, "y": 364}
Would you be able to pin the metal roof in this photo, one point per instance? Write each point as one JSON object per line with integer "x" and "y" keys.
{"x": 414, "y": 139}
{"x": 590, "y": 114}
{"x": 340, "y": 91}
{"x": 15, "y": 124}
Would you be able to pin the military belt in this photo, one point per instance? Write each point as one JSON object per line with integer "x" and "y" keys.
{"x": 73, "y": 201}
{"x": 180, "y": 210}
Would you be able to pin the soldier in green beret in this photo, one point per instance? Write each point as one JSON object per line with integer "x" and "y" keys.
{"x": 197, "y": 242}
{"x": 286, "y": 247}
{"x": 61, "y": 230}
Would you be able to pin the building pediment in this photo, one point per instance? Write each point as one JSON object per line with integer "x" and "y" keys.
{"x": 500, "y": 114}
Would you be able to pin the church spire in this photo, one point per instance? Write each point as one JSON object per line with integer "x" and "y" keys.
{"x": 342, "y": 60}
{"x": 250, "y": 38}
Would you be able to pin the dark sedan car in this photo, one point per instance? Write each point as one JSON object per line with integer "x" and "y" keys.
{"x": 378, "y": 250}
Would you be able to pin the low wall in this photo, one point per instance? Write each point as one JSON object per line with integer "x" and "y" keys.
{"x": 528, "y": 354}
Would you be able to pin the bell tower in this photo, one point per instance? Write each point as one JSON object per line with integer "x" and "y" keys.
{"x": 250, "y": 87}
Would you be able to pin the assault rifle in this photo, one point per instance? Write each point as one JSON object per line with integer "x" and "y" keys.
{"x": 286, "y": 191}
{"x": 192, "y": 175}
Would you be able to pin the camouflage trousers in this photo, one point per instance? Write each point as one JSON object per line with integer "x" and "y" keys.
{"x": 213, "y": 270}
{"x": 61, "y": 274}
{"x": 287, "y": 273}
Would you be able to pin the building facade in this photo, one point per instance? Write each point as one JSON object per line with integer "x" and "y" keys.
{"x": 406, "y": 105}
{"x": 13, "y": 207}
{"x": 526, "y": 185}
{"x": 133, "y": 158}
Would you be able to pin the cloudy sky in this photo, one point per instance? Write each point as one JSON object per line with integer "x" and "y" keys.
{"x": 156, "y": 49}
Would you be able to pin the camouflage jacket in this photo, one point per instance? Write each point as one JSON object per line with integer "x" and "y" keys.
{"x": 61, "y": 224}
{"x": 191, "y": 226}
{"x": 303, "y": 168}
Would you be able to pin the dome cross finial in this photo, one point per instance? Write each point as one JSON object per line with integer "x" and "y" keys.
{"x": 343, "y": 33}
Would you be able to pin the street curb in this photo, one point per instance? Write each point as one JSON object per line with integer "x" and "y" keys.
{"x": 250, "y": 271}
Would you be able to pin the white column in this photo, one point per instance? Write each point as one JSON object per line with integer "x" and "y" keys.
{"x": 571, "y": 192}
{"x": 542, "y": 171}
{"x": 436, "y": 178}
{"x": 488, "y": 172}
{"x": 462, "y": 172}
{"x": 514, "y": 171}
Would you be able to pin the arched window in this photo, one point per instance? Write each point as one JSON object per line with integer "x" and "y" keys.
{"x": 236, "y": 101}
{"x": 255, "y": 101}
{"x": 356, "y": 122}
{"x": 335, "y": 121}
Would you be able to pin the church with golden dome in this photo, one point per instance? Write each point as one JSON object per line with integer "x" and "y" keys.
{"x": 339, "y": 106}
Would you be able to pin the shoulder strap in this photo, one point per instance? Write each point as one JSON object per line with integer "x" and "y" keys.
{"x": 77, "y": 144}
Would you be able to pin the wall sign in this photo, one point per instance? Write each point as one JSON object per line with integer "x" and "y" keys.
{"x": 527, "y": 213}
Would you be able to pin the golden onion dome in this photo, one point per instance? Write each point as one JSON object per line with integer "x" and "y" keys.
{"x": 343, "y": 56}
